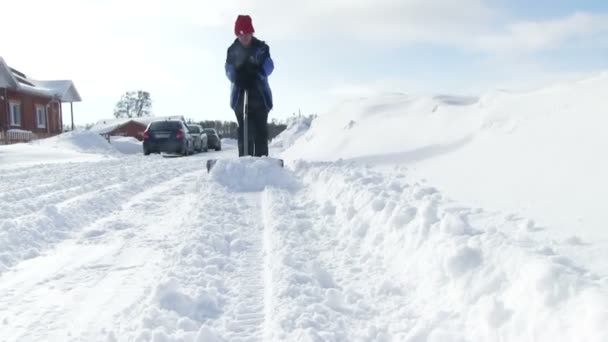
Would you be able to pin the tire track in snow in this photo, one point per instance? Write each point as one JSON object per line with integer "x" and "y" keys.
{"x": 35, "y": 218}
{"x": 308, "y": 298}
{"x": 215, "y": 291}
{"x": 248, "y": 305}
{"x": 99, "y": 282}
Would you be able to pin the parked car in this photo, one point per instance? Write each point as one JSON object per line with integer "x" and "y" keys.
{"x": 200, "y": 138}
{"x": 169, "y": 136}
{"x": 214, "y": 139}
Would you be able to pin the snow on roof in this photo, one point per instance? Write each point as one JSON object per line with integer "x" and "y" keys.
{"x": 7, "y": 80}
{"x": 64, "y": 87}
{"x": 64, "y": 90}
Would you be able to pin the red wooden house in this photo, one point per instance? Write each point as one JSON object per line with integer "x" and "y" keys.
{"x": 30, "y": 107}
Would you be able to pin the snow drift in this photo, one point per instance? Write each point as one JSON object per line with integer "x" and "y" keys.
{"x": 79, "y": 141}
{"x": 126, "y": 145}
{"x": 537, "y": 153}
{"x": 76, "y": 146}
{"x": 296, "y": 127}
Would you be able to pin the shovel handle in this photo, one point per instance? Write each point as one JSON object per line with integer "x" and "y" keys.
{"x": 245, "y": 124}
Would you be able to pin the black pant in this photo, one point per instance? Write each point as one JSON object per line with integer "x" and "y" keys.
{"x": 257, "y": 132}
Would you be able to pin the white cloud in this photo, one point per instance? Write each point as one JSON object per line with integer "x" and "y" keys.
{"x": 368, "y": 20}
{"x": 541, "y": 35}
{"x": 467, "y": 24}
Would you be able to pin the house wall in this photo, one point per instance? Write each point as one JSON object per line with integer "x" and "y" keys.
{"x": 3, "y": 117}
{"x": 28, "y": 113}
{"x": 55, "y": 118}
{"x": 130, "y": 129}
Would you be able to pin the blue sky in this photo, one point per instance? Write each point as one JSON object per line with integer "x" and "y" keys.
{"x": 324, "y": 51}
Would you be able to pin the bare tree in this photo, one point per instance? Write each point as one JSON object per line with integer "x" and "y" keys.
{"x": 134, "y": 104}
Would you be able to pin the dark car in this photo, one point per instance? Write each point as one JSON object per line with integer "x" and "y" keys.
{"x": 214, "y": 140}
{"x": 200, "y": 138}
{"x": 169, "y": 136}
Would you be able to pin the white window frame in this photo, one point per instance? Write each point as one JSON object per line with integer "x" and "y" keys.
{"x": 14, "y": 122}
{"x": 41, "y": 109}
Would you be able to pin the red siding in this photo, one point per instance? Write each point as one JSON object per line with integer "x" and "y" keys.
{"x": 130, "y": 129}
{"x": 28, "y": 113}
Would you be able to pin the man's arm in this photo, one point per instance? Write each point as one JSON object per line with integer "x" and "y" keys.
{"x": 265, "y": 60}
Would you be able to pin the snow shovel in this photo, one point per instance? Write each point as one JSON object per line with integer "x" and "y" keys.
{"x": 212, "y": 162}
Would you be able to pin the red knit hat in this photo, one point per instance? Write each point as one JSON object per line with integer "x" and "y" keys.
{"x": 243, "y": 25}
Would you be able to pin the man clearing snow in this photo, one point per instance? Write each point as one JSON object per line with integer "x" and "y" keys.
{"x": 248, "y": 65}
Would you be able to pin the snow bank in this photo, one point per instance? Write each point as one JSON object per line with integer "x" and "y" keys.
{"x": 76, "y": 146}
{"x": 296, "y": 127}
{"x": 535, "y": 153}
{"x": 388, "y": 125}
{"x": 28, "y": 154}
{"x": 365, "y": 256}
{"x": 126, "y": 145}
{"x": 79, "y": 141}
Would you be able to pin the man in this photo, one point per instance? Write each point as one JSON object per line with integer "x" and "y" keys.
{"x": 248, "y": 65}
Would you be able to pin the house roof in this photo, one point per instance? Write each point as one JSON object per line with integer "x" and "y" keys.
{"x": 63, "y": 90}
{"x": 105, "y": 126}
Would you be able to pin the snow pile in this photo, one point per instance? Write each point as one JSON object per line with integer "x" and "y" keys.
{"x": 296, "y": 127}
{"x": 79, "y": 141}
{"x": 76, "y": 146}
{"x": 126, "y": 145}
{"x": 29, "y": 154}
{"x": 251, "y": 174}
{"x": 365, "y": 256}
{"x": 519, "y": 152}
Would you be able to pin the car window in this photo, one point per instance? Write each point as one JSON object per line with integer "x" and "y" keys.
{"x": 209, "y": 131}
{"x": 164, "y": 126}
{"x": 194, "y": 129}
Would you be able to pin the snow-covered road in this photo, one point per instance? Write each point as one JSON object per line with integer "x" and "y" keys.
{"x": 102, "y": 236}
{"x": 155, "y": 249}
{"x": 130, "y": 249}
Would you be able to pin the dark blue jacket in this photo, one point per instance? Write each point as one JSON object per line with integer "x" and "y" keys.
{"x": 259, "y": 53}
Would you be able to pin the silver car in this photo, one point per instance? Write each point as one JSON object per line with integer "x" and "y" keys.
{"x": 200, "y": 138}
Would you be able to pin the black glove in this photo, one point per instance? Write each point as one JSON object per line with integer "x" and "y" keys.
{"x": 246, "y": 75}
